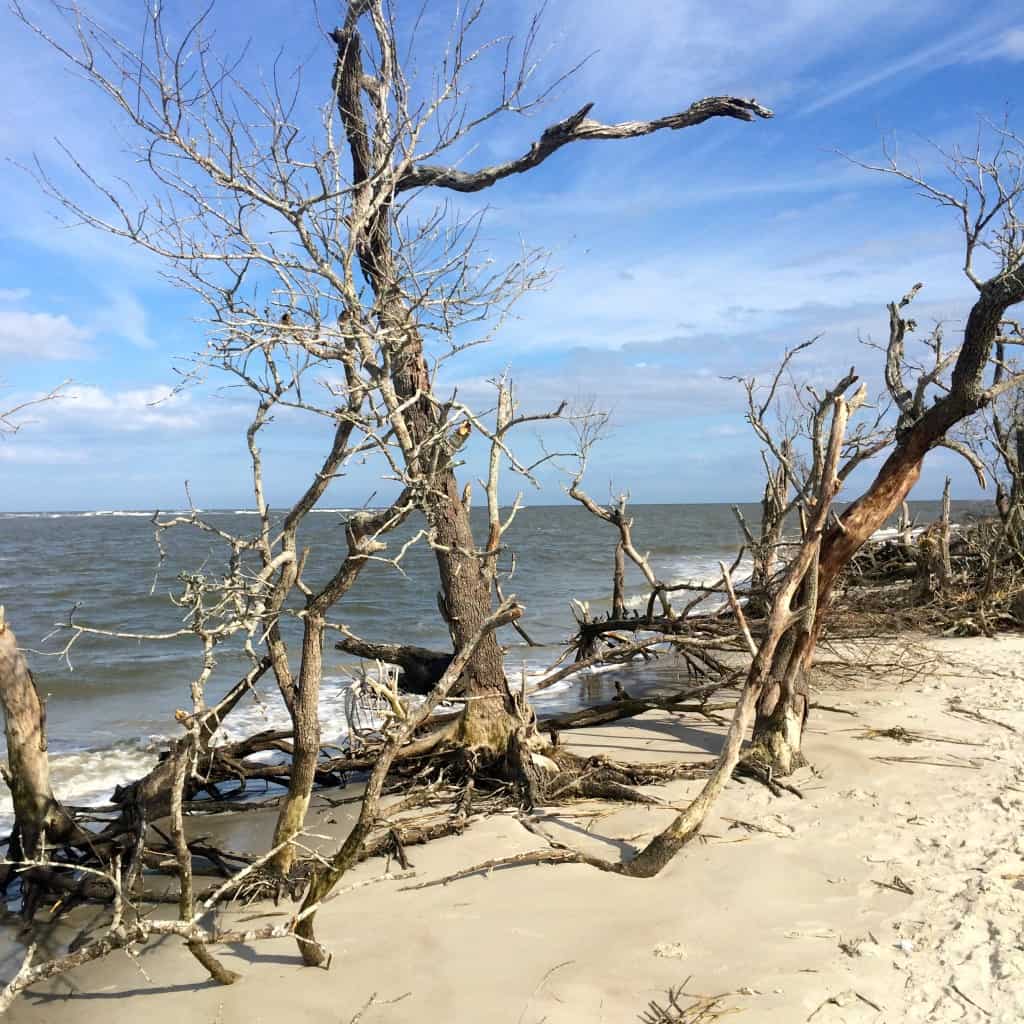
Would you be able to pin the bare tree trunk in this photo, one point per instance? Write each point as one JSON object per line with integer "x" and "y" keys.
{"x": 619, "y": 583}
{"x": 779, "y": 724}
{"x": 782, "y": 707}
{"x": 37, "y": 811}
{"x": 947, "y": 564}
{"x": 305, "y": 743}
{"x": 488, "y": 721}
{"x": 906, "y": 523}
{"x": 428, "y": 452}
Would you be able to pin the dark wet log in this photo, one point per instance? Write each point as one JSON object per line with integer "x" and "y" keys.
{"x": 421, "y": 667}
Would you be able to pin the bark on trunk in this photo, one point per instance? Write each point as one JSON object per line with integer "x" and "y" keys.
{"x": 619, "y": 583}
{"x": 36, "y": 809}
{"x": 782, "y": 711}
{"x": 305, "y": 744}
{"x": 467, "y": 598}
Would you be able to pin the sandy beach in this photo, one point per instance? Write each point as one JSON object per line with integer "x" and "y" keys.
{"x": 892, "y": 892}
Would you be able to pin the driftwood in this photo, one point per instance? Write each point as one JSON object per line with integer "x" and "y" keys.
{"x": 421, "y": 668}
{"x": 629, "y": 707}
{"x": 792, "y": 609}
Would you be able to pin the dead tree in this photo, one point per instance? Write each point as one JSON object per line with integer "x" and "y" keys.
{"x": 389, "y": 162}
{"x": 984, "y": 192}
{"x": 792, "y": 621}
{"x": 615, "y": 513}
{"x": 787, "y": 418}
{"x": 793, "y": 614}
{"x": 361, "y": 279}
{"x": 997, "y": 437}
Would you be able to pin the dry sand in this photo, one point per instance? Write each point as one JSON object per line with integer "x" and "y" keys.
{"x": 795, "y": 917}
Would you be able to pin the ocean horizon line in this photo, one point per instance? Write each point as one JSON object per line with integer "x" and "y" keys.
{"x": 229, "y": 510}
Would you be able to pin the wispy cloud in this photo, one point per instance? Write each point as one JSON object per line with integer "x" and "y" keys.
{"x": 1011, "y": 45}
{"x": 42, "y": 336}
{"x": 125, "y": 317}
{"x": 959, "y": 47}
{"x": 129, "y": 411}
{"x": 12, "y": 452}
{"x": 687, "y": 255}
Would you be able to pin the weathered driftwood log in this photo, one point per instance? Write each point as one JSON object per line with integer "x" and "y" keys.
{"x": 629, "y": 707}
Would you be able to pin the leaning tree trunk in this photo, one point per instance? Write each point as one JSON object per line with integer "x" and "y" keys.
{"x": 779, "y": 725}
{"x": 37, "y": 812}
{"x": 782, "y": 707}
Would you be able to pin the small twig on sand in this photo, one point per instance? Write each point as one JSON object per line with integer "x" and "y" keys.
{"x": 845, "y": 999}
{"x": 967, "y": 999}
{"x": 751, "y": 826}
{"x": 541, "y": 984}
{"x": 871, "y": 1003}
{"x": 703, "y": 1010}
{"x": 897, "y": 885}
{"x": 954, "y": 707}
{"x": 551, "y": 856}
{"x": 946, "y": 762}
{"x": 373, "y": 1001}
{"x": 833, "y": 709}
{"x": 901, "y": 735}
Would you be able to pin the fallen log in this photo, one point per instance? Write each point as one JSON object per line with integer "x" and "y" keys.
{"x": 630, "y": 707}
{"x": 421, "y": 667}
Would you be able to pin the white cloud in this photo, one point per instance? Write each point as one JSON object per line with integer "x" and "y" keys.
{"x": 42, "y": 336}
{"x": 14, "y": 451}
{"x": 13, "y": 294}
{"x": 1011, "y": 45}
{"x": 130, "y": 410}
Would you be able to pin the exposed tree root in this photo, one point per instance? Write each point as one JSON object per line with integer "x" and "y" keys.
{"x": 752, "y": 768}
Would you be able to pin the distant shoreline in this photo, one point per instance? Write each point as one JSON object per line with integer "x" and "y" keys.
{"x": 140, "y": 512}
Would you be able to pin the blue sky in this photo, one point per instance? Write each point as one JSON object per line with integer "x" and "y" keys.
{"x": 681, "y": 258}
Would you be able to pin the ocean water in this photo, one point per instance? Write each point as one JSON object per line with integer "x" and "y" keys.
{"x": 111, "y": 710}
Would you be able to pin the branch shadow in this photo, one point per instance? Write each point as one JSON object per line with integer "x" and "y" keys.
{"x": 697, "y": 739}
{"x": 626, "y": 849}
